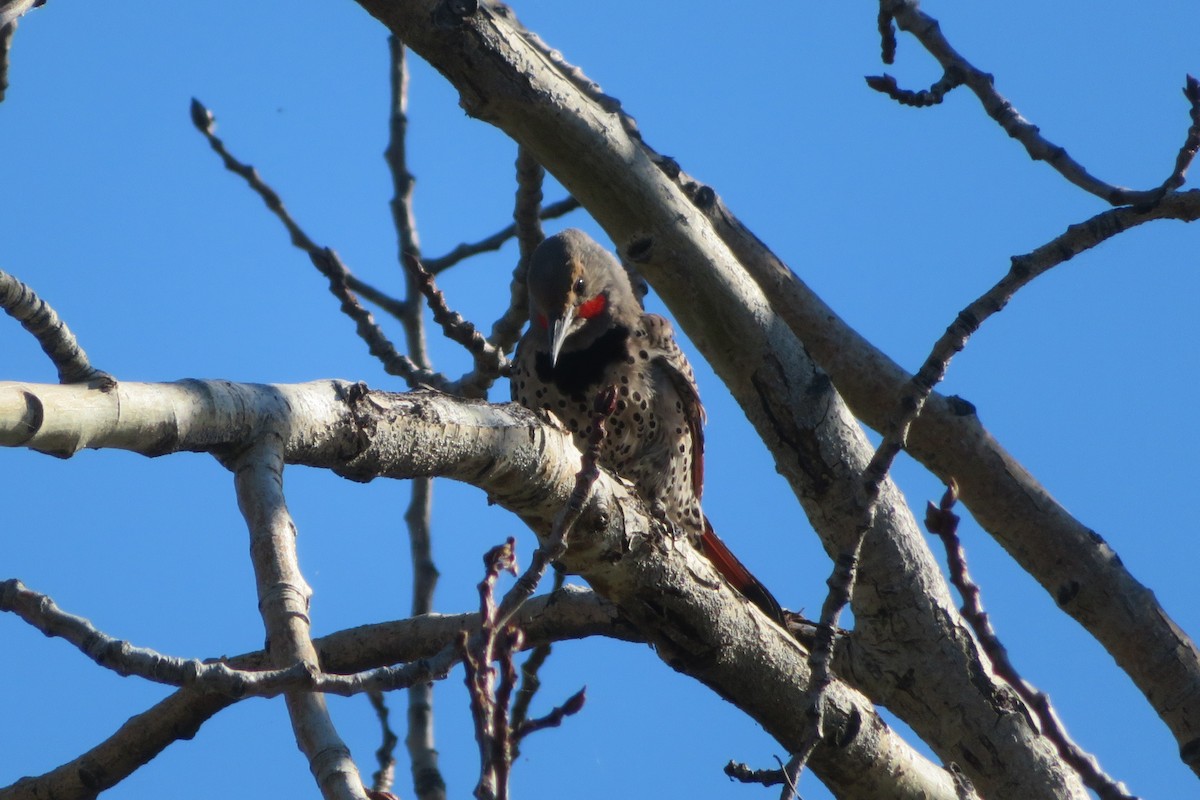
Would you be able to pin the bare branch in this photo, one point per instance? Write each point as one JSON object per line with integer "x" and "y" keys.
{"x": 527, "y": 212}
{"x": 378, "y": 343}
{"x": 324, "y": 259}
{"x": 488, "y": 708}
{"x": 573, "y": 705}
{"x": 744, "y": 773}
{"x": 887, "y": 35}
{"x": 404, "y": 218}
{"x": 911, "y": 19}
{"x": 219, "y": 677}
{"x": 36, "y": 316}
{"x": 948, "y": 438}
{"x": 932, "y": 96}
{"x": 385, "y": 756}
{"x": 552, "y": 547}
{"x": 489, "y": 360}
{"x": 126, "y": 659}
{"x": 396, "y": 308}
{"x": 428, "y": 783}
{"x": 495, "y": 731}
{"x": 1187, "y": 153}
{"x": 530, "y": 679}
{"x": 527, "y": 215}
{"x": 571, "y": 613}
{"x": 667, "y": 590}
{"x": 283, "y": 599}
{"x": 941, "y": 521}
{"x": 497, "y": 239}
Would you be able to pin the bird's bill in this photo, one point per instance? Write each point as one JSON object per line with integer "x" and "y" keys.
{"x": 558, "y": 333}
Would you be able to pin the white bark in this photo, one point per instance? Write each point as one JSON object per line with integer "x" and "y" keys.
{"x": 669, "y": 592}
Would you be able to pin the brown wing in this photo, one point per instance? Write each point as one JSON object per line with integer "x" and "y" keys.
{"x": 677, "y": 369}
{"x": 675, "y": 365}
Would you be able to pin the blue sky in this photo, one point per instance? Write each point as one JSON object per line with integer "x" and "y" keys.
{"x": 167, "y": 267}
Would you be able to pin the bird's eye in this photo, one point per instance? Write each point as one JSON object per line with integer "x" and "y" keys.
{"x": 579, "y": 286}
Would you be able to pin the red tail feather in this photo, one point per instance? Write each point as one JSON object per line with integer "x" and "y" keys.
{"x": 738, "y": 576}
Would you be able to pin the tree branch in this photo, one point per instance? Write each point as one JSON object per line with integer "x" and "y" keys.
{"x": 941, "y": 521}
{"x": 327, "y": 262}
{"x": 512, "y": 80}
{"x": 1070, "y": 560}
{"x": 428, "y": 783}
{"x": 496, "y": 240}
{"x": 668, "y": 591}
{"x": 911, "y": 19}
{"x": 569, "y": 614}
{"x": 37, "y": 316}
{"x": 283, "y": 601}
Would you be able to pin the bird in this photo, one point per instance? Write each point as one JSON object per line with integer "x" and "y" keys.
{"x": 587, "y": 332}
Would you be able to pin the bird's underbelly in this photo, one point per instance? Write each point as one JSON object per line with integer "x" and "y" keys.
{"x": 644, "y": 442}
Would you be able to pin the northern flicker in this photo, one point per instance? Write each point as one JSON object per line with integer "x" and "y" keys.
{"x": 588, "y": 331}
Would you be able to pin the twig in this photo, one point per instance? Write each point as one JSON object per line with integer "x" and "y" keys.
{"x": 396, "y": 308}
{"x": 530, "y": 677}
{"x": 428, "y": 783}
{"x": 1187, "y": 153}
{"x": 555, "y": 718}
{"x": 385, "y": 755}
{"x": 527, "y": 210}
{"x": 489, "y": 360}
{"x": 574, "y": 613}
{"x": 887, "y": 35}
{"x": 125, "y": 659}
{"x": 495, "y": 732}
{"x": 527, "y": 220}
{"x": 490, "y": 732}
{"x": 743, "y": 773}
{"x": 527, "y": 226}
{"x": 555, "y": 544}
{"x": 886, "y": 84}
{"x": 496, "y": 240}
{"x": 217, "y": 677}
{"x": 36, "y": 316}
{"x": 378, "y": 344}
{"x": 908, "y": 16}
{"x": 403, "y": 217}
{"x": 490, "y": 699}
{"x": 912, "y": 400}
{"x": 791, "y": 777}
{"x": 324, "y": 259}
{"x": 943, "y": 522}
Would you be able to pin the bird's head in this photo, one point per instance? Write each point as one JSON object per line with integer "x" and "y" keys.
{"x": 577, "y": 292}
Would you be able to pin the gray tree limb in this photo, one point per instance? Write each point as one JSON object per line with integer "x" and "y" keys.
{"x": 670, "y": 593}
